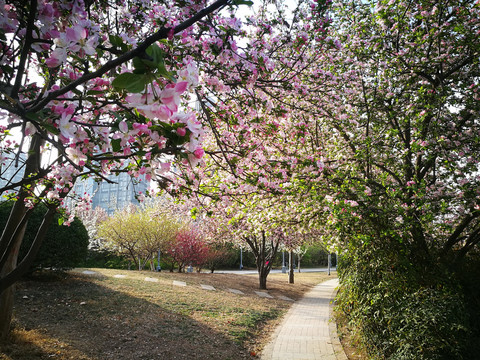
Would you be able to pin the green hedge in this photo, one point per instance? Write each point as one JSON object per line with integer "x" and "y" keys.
{"x": 63, "y": 247}
{"x": 399, "y": 311}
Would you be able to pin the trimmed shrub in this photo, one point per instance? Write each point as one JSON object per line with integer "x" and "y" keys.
{"x": 401, "y": 313}
{"x": 63, "y": 247}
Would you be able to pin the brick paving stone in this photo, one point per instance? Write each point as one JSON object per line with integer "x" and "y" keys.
{"x": 179, "y": 283}
{"x": 264, "y": 294}
{"x": 235, "y": 291}
{"x": 207, "y": 287}
{"x": 305, "y": 332}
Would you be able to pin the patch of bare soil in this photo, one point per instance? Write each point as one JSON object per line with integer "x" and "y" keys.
{"x": 103, "y": 316}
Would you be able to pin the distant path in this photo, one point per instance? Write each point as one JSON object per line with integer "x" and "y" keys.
{"x": 306, "y": 332}
{"x": 273, "y": 271}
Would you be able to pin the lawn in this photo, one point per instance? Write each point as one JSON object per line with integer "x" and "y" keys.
{"x": 100, "y": 316}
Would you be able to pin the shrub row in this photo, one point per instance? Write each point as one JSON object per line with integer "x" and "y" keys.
{"x": 401, "y": 312}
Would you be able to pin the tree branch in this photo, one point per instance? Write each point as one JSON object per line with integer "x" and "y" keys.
{"x": 160, "y": 34}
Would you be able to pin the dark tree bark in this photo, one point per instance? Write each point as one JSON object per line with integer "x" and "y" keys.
{"x": 291, "y": 273}
{"x": 264, "y": 252}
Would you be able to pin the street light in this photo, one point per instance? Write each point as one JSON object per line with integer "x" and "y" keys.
{"x": 329, "y": 262}
{"x": 159, "y": 268}
{"x": 241, "y": 258}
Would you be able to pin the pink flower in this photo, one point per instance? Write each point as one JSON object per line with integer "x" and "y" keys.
{"x": 123, "y": 126}
{"x": 164, "y": 167}
{"x": 170, "y": 96}
{"x": 57, "y": 57}
{"x": 181, "y": 131}
{"x": 76, "y": 156}
{"x": 30, "y": 129}
{"x": 67, "y": 128}
{"x": 199, "y": 153}
{"x": 190, "y": 120}
{"x": 141, "y": 128}
{"x": 77, "y": 35}
{"x": 161, "y": 112}
{"x": 189, "y": 73}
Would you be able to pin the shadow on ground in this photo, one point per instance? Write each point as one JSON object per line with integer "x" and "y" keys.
{"x": 78, "y": 319}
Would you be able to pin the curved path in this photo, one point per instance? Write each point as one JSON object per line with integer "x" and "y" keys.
{"x": 306, "y": 332}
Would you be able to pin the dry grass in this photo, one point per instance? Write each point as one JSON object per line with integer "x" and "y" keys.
{"x": 96, "y": 317}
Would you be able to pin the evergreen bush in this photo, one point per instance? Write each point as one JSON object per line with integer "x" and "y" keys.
{"x": 64, "y": 247}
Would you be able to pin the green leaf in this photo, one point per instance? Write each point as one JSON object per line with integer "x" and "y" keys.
{"x": 116, "y": 147}
{"x": 52, "y": 129}
{"x": 33, "y": 116}
{"x": 242, "y": 2}
{"x": 134, "y": 83}
{"x": 117, "y": 41}
{"x": 139, "y": 65}
{"x": 155, "y": 52}
{"x": 158, "y": 62}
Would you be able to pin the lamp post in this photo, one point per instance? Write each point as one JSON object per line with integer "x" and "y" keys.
{"x": 329, "y": 262}
{"x": 241, "y": 258}
{"x": 159, "y": 268}
{"x": 284, "y": 268}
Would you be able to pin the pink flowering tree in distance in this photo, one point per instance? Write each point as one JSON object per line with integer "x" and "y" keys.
{"x": 265, "y": 151}
{"x": 99, "y": 88}
{"x": 188, "y": 248}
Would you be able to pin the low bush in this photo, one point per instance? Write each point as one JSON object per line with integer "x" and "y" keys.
{"x": 63, "y": 247}
{"x": 399, "y": 312}
{"x": 105, "y": 259}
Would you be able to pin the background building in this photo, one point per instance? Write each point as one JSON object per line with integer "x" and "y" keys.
{"x": 109, "y": 196}
{"x": 112, "y": 196}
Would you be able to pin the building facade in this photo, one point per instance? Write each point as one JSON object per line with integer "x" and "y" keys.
{"x": 112, "y": 196}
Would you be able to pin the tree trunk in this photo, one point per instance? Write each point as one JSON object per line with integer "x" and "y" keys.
{"x": 262, "y": 279}
{"x": 264, "y": 256}
{"x": 6, "y": 297}
{"x": 11, "y": 239}
{"x": 291, "y": 274}
{"x": 6, "y": 310}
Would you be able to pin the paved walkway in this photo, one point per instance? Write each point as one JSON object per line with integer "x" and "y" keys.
{"x": 306, "y": 332}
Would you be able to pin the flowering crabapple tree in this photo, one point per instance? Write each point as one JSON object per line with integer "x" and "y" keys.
{"x": 253, "y": 224}
{"x": 403, "y": 157}
{"x": 188, "y": 248}
{"x": 402, "y": 181}
{"x": 98, "y": 87}
{"x": 91, "y": 219}
{"x": 260, "y": 145}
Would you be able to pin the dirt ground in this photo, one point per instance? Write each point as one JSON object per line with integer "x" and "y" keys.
{"x": 102, "y": 316}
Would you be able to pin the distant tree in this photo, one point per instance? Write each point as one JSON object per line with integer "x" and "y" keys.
{"x": 188, "y": 248}
{"x": 91, "y": 219}
{"x": 140, "y": 232}
{"x": 218, "y": 255}
{"x": 120, "y": 234}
